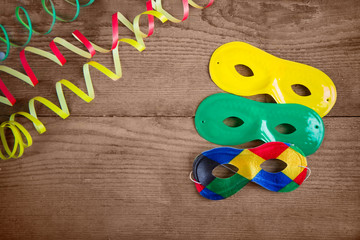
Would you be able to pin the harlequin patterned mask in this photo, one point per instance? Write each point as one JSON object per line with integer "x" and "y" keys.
{"x": 248, "y": 162}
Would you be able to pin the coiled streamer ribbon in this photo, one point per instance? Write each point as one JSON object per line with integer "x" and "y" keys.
{"x": 22, "y": 138}
{"x": 28, "y": 25}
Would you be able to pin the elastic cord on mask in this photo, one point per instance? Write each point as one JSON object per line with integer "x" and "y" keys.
{"x": 192, "y": 178}
{"x": 309, "y": 170}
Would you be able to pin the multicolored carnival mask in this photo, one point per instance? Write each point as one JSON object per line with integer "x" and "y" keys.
{"x": 248, "y": 162}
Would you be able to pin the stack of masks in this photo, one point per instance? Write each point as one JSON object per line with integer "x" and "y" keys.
{"x": 300, "y": 115}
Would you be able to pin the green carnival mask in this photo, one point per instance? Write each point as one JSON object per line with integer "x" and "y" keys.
{"x": 258, "y": 121}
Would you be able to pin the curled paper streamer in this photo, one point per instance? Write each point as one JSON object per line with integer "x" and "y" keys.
{"x": 22, "y": 138}
{"x": 58, "y": 58}
{"x": 28, "y": 25}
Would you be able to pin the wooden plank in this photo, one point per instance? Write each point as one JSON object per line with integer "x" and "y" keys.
{"x": 119, "y": 178}
{"x": 118, "y": 167}
{"x": 170, "y": 77}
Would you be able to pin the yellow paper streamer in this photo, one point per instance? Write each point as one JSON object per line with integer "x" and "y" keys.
{"x": 22, "y": 138}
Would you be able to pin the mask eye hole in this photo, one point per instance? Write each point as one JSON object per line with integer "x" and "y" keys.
{"x": 285, "y": 128}
{"x": 301, "y": 90}
{"x": 224, "y": 171}
{"x": 244, "y": 70}
{"x": 233, "y": 122}
{"x": 273, "y": 165}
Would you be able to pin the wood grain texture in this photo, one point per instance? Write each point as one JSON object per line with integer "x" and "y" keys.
{"x": 92, "y": 178}
{"x": 118, "y": 167}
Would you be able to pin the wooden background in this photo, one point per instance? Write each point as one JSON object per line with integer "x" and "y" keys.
{"x": 118, "y": 167}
